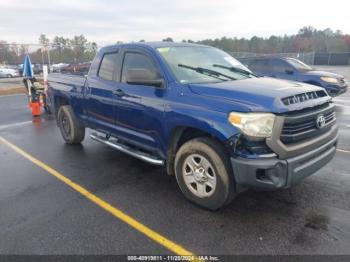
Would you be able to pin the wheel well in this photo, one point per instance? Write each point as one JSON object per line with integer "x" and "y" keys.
{"x": 180, "y": 136}
{"x": 60, "y": 101}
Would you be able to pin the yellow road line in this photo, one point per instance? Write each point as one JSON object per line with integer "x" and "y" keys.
{"x": 344, "y": 151}
{"x": 158, "y": 238}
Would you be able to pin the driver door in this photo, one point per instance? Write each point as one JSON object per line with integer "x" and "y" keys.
{"x": 140, "y": 107}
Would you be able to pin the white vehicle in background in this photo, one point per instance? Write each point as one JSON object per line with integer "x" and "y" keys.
{"x": 8, "y": 72}
{"x": 57, "y": 67}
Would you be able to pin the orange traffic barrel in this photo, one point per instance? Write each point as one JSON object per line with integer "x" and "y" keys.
{"x": 35, "y": 108}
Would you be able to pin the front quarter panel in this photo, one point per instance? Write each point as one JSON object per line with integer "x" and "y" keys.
{"x": 185, "y": 110}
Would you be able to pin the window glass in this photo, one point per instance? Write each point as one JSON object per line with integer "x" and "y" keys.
{"x": 299, "y": 65}
{"x": 183, "y": 61}
{"x": 107, "y": 66}
{"x": 259, "y": 65}
{"x": 280, "y": 66}
{"x": 136, "y": 61}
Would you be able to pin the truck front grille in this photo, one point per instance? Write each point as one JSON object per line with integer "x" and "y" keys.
{"x": 303, "y": 125}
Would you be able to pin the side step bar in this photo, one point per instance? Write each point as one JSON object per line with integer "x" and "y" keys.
{"x": 128, "y": 150}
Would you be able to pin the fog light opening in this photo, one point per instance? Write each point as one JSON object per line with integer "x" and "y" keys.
{"x": 269, "y": 176}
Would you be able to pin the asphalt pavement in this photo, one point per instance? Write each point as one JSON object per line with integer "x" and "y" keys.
{"x": 41, "y": 214}
{"x": 7, "y": 83}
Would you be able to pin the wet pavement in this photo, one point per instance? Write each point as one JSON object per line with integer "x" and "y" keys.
{"x": 6, "y": 83}
{"x": 41, "y": 215}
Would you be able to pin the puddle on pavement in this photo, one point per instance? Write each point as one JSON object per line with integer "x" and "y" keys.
{"x": 336, "y": 223}
{"x": 317, "y": 222}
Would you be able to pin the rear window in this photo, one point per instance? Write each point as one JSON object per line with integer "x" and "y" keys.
{"x": 107, "y": 66}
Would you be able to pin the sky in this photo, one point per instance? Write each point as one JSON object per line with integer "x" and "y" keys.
{"x": 109, "y": 21}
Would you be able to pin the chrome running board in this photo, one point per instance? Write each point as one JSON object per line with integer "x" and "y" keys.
{"x": 113, "y": 142}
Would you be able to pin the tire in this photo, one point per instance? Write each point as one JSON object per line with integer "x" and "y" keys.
{"x": 9, "y": 76}
{"x": 211, "y": 187}
{"x": 72, "y": 131}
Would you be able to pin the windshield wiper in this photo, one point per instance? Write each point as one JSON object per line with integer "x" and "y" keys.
{"x": 207, "y": 72}
{"x": 236, "y": 70}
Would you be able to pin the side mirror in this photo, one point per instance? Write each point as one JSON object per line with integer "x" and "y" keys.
{"x": 289, "y": 71}
{"x": 143, "y": 77}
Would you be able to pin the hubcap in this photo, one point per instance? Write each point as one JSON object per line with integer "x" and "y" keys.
{"x": 66, "y": 125}
{"x": 199, "y": 175}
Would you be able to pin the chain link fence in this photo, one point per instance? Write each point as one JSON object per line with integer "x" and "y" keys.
{"x": 307, "y": 58}
{"x": 310, "y": 58}
{"x": 332, "y": 59}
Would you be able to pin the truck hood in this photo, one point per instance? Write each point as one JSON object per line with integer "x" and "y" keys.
{"x": 322, "y": 73}
{"x": 258, "y": 94}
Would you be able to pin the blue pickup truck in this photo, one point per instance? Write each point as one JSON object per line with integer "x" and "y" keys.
{"x": 293, "y": 69}
{"x": 201, "y": 114}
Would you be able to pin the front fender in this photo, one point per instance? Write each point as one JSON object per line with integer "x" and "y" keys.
{"x": 212, "y": 122}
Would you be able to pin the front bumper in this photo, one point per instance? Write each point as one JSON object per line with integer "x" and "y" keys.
{"x": 273, "y": 173}
{"x": 336, "y": 90}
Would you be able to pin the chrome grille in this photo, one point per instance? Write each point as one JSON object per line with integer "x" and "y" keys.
{"x": 301, "y": 126}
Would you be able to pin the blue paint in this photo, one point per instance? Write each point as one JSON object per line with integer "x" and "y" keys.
{"x": 147, "y": 115}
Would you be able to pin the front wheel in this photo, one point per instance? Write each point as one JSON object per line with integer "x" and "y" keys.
{"x": 204, "y": 174}
{"x": 73, "y": 132}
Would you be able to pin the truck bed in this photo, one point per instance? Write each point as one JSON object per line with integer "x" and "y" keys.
{"x": 65, "y": 81}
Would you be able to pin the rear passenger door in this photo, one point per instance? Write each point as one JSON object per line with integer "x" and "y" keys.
{"x": 101, "y": 106}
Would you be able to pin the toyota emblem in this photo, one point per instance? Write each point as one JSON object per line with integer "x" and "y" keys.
{"x": 320, "y": 121}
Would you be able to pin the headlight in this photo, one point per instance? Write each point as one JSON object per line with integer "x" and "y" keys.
{"x": 329, "y": 79}
{"x": 257, "y": 125}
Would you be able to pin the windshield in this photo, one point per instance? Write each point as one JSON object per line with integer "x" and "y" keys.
{"x": 297, "y": 64}
{"x": 200, "y": 64}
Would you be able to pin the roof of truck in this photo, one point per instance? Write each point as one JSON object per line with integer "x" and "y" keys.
{"x": 156, "y": 44}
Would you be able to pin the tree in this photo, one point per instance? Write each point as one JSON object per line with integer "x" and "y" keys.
{"x": 5, "y": 54}
{"x": 60, "y": 45}
{"x": 79, "y": 49}
{"x": 168, "y": 39}
{"x": 94, "y": 46}
{"x": 43, "y": 40}
{"x": 79, "y": 45}
{"x": 307, "y": 31}
{"x": 347, "y": 40}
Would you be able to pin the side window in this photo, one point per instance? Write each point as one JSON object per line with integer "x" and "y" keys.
{"x": 107, "y": 66}
{"x": 280, "y": 66}
{"x": 259, "y": 65}
{"x": 136, "y": 61}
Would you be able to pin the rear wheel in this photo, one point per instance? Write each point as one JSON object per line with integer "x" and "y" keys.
{"x": 73, "y": 132}
{"x": 204, "y": 174}
{"x": 8, "y": 76}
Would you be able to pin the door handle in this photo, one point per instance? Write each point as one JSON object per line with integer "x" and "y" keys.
{"x": 118, "y": 92}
